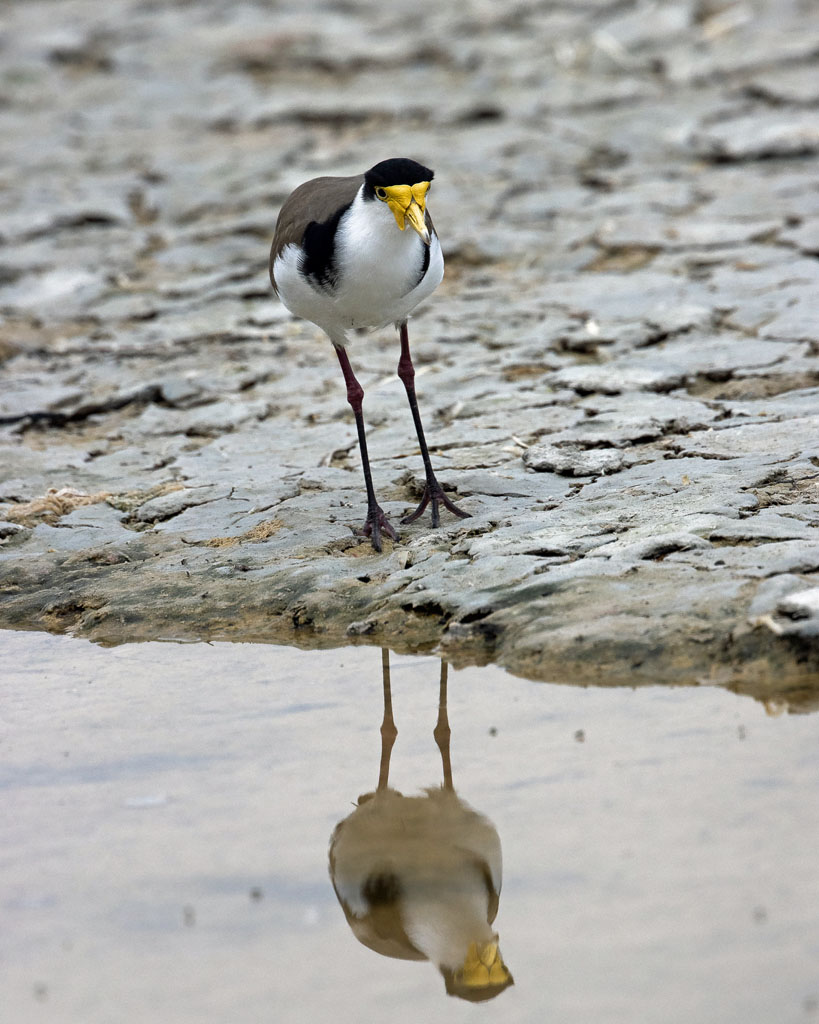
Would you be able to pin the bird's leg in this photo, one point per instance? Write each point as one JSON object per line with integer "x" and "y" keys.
{"x": 433, "y": 492}
{"x": 442, "y": 732}
{"x": 389, "y": 732}
{"x": 376, "y": 522}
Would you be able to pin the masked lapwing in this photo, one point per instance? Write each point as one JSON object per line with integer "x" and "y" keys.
{"x": 419, "y": 877}
{"x": 343, "y": 258}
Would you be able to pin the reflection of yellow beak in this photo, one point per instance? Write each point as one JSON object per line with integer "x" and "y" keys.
{"x": 484, "y": 966}
{"x": 408, "y": 203}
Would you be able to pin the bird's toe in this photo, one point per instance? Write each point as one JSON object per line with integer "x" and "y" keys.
{"x": 434, "y": 493}
{"x": 377, "y": 525}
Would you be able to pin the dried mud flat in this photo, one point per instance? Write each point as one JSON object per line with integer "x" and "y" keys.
{"x": 618, "y": 375}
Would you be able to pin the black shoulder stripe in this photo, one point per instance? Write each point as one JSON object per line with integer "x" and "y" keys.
{"x": 424, "y": 264}
{"x": 319, "y": 245}
{"x": 381, "y": 888}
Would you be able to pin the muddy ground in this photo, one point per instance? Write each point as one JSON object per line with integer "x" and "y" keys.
{"x": 619, "y": 374}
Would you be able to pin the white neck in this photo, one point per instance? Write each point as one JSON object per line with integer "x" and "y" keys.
{"x": 370, "y": 242}
{"x": 442, "y": 925}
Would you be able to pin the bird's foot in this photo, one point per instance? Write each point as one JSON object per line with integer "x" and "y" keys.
{"x": 377, "y": 524}
{"x": 433, "y": 492}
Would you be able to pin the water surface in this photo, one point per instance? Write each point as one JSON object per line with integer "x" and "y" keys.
{"x": 167, "y": 812}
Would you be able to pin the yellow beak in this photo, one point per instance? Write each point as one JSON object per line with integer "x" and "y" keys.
{"x": 408, "y": 203}
{"x": 484, "y": 966}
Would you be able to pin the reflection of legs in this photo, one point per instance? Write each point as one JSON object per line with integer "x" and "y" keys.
{"x": 442, "y": 730}
{"x": 388, "y": 729}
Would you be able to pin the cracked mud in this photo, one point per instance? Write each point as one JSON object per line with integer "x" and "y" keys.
{"x": 619, "y": 375}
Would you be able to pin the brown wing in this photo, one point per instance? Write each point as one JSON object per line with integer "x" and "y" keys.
{"x": 315, "y": 200}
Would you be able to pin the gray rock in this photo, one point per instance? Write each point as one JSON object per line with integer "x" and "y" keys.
{"x": 168, "y": 505}
{"x": 805, "y": 237}
{"x": 797, "y": 85}
{"x": 649, "y": 374}
{"x": 770, "y": 592}
{"x": 573, "y": 460}
{"x": 31, "y": 398}
{"x": 759, "y": 136}
{"x": 803, "y": 604}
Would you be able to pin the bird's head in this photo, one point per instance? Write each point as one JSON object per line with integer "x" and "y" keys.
{"x": 403, "y": 185}
{"x": 483, "y": 974}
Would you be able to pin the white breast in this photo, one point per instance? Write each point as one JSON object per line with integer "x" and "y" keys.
{"x": 378, "y": 271}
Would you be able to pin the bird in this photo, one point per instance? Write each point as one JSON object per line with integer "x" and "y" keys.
{"x": 419, "y": 877}
{"x": 359, "y": 253}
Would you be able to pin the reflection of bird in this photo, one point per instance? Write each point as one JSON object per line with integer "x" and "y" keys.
{"x": 419, "y": 877}
{"x": 339, "y": 260}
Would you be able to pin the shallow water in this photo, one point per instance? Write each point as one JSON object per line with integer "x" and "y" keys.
{"x": 167, "y": 812}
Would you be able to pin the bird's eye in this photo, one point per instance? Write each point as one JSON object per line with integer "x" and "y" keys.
{"x": 381, "y": 193}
